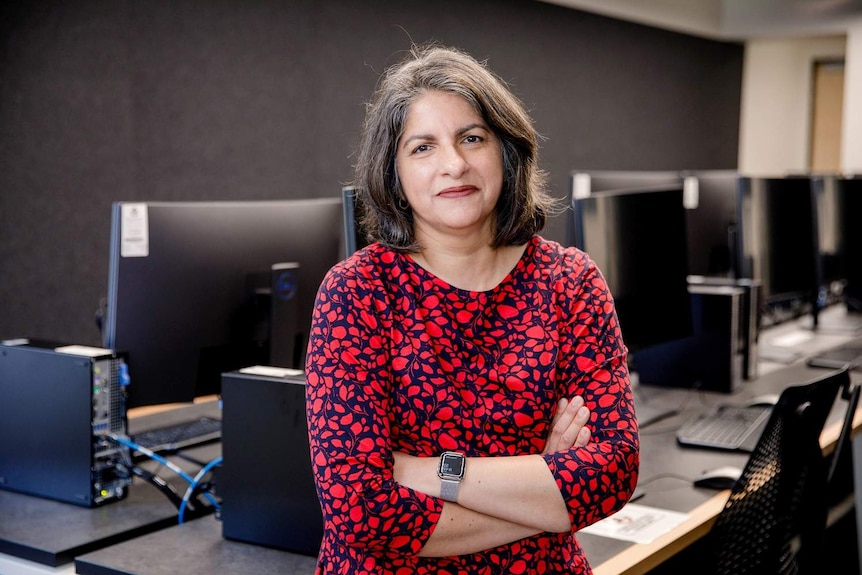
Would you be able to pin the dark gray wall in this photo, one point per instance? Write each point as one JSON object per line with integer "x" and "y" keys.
{"x": 105, "y": 100}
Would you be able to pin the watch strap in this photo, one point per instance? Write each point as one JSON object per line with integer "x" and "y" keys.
{"x": 449, "y": 490}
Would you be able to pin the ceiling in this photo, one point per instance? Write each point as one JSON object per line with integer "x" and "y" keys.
{"x": 732, "y": 19}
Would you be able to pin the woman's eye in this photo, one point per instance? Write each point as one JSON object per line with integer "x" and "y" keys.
{"x": 473, "y": 139}
{"x": 421, "y": 148}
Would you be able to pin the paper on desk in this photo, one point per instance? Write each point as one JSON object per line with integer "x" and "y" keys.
{"x": 637, "y": 523}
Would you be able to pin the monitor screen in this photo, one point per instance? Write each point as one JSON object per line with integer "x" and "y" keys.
{"x": 200, "y": 288}
{"x": 712, "y": 222}
{"x": 779, "y": 245}
{"x": 849, "y": 198}
{"x": 638, "y": 240}
{"x": 830, "y": 231}
{"x": 587, "y": 182}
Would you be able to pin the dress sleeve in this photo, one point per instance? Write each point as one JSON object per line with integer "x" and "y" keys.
{"x": 598, "y": 479}
{"x": 348, "y": 403}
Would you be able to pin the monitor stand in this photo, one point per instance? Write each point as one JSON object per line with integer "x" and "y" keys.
{"x": 283, "y": 321}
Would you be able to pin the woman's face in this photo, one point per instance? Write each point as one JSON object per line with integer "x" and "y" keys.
{"x": 450, "y": 165}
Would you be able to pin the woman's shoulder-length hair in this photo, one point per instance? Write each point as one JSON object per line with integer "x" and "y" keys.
{"x": 524, "y": 203}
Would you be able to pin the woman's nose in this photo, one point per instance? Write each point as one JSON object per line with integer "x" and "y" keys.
{"x": 454, "y": 162}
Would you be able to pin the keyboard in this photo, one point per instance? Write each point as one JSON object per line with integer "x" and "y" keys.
{"x": 727, "y": 427}
{"x": 838, "y": 358}
{"x": 180, "y": 435}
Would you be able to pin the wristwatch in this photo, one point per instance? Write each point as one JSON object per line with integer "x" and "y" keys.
{"x": 451, "y": 472}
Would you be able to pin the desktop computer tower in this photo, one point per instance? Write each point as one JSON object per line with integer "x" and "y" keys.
{"x": 750, "y": 324}
{"x": 749, "y": 318}
{"x": 712, "y": 358}
{"x": 265, "y": 480}
{"x": 58, "y": 404}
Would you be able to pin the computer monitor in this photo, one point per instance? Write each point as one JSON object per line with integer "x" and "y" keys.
{"x": 587, "y": 182}
{"x": 637, "y": 239}
{"x": 849, "y": 196}
{"x": 713, "y": 196}
{"x": 677, "y": 334}
{"x": 591, "y": 181}
{"x": 779, "y": 245}
{"x": 839, "y": 199}
{"x": 354, "y": 235}
{"x": 829, "y": 227}
{"x": 192, "y": 286}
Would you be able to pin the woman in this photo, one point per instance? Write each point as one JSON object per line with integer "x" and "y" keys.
{"x": 453, "y": 362}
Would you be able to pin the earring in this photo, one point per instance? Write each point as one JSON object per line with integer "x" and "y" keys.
{"x": 402, "y": 203}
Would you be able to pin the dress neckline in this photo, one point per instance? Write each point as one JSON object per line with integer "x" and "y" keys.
{"x": 424, "y": 273}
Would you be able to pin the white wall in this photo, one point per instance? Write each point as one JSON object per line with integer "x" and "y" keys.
{"x": 851, "y": 135}
{"x": 776, "y": 102}
{"x": 701, "y": 17}
{"x": 731, "y": 19}
{"x": 750, "y": 19}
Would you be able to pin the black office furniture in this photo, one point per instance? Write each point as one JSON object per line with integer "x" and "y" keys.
{"x": 775, "y": 517}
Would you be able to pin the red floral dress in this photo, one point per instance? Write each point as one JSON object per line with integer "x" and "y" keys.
{"x": 400, "y": 360}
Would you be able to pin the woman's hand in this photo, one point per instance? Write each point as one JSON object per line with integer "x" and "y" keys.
{"x": 569, "y": 427}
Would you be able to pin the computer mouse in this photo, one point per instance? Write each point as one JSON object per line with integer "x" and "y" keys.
{"x": 724, "y": 477}
{"x": 764, "y": 400}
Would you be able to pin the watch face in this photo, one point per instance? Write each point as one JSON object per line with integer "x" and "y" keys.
{"x": 452, "y": 464}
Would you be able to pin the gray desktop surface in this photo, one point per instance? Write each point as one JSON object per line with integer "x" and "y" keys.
{"x": 53, "y": 533}
{"x": 194, "y": 548}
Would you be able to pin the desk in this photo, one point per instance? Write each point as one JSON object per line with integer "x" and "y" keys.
{"x": 194, "y": 548}
{"x": 666, "y": 474}
{"x": 668, "y": 485}
{"x": 53, "y": 533}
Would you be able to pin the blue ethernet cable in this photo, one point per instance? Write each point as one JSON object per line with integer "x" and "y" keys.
{"x": 156, "y": 457}
{"x": 195, "y": 484}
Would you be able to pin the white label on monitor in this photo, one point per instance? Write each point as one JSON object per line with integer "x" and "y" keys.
{"x": 134, "y": 231}
{"x": 690, "y": 193}
{"x": 581, "y": 186}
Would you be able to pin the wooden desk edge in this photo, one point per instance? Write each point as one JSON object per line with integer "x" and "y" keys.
{"x": 136, "y": 412}
{"x": 641, "y": 558}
